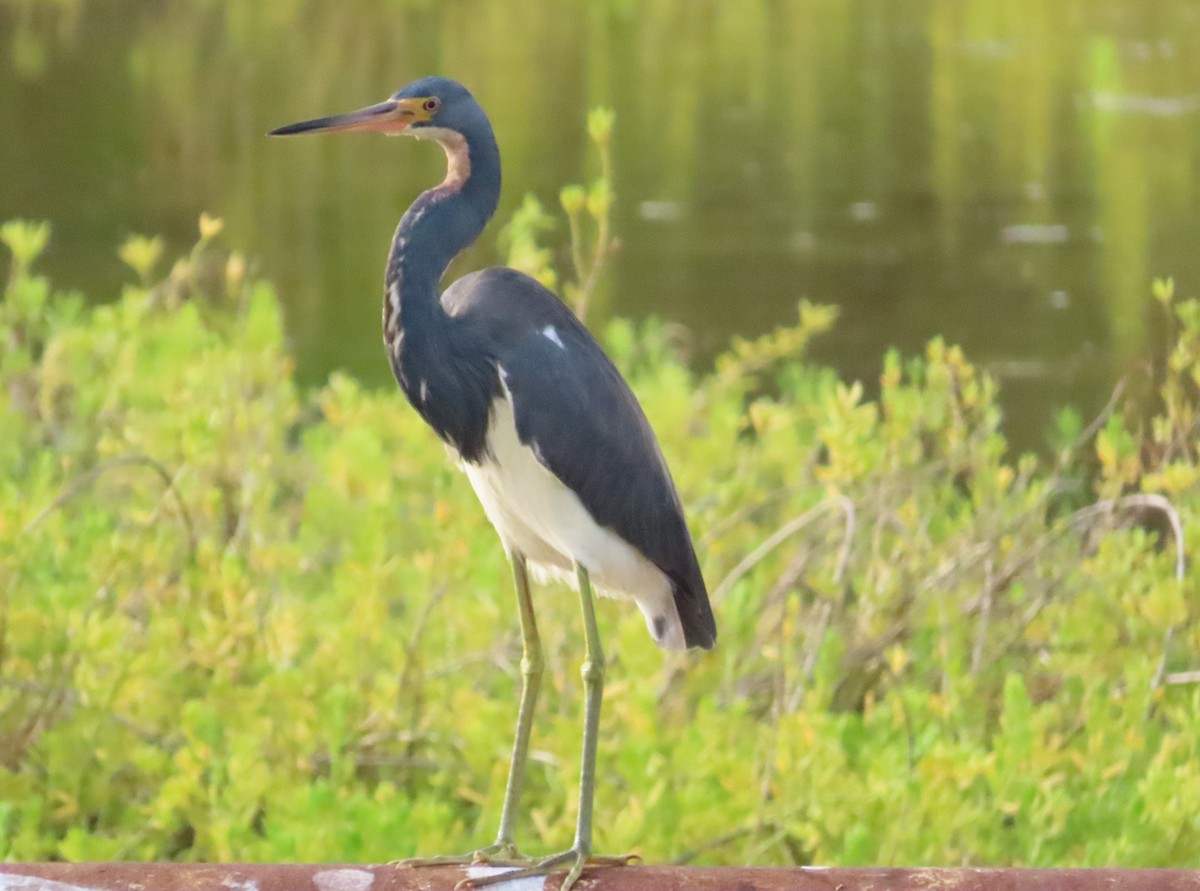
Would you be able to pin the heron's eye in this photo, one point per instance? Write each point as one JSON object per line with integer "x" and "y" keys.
{"x": 432, "y": 104}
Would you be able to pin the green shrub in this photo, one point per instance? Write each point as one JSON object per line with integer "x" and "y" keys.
{"x": 239, "y": 621}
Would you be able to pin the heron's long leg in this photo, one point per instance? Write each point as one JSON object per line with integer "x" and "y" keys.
{"x": 531, "y": 681}
{"x": 580, "y": 854}
{"x": 593, "y": 691}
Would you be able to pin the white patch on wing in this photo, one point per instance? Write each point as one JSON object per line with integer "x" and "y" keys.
{"x": 424, "y": 390}
{"x": 551, "y": 334}
{"x": 537, "y": 515}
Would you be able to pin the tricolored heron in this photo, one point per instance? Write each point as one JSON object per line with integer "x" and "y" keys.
{"x": 552, "y": 439}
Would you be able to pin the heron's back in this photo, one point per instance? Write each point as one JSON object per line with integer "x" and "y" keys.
{"x": 572, "y": 470}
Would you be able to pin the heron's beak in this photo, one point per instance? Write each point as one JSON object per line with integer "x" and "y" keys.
{"x": 393, "y": 116}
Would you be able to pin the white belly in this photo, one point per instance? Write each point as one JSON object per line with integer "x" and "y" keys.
{"x": 538, "y": 516}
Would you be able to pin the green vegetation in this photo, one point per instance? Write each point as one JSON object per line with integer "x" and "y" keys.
{"x": 243, "y": 621}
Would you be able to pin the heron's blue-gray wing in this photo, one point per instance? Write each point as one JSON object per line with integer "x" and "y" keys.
{"x": 575, "y": 410}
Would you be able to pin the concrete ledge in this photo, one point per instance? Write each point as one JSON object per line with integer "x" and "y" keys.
{"x": 310, "y": 877}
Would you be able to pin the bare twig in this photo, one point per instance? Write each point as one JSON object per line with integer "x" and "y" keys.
{"x": 808, "y": 666}
{"x": 1145, "y": 501}
{"x": 1160, "y": 674}
{"x": 782, "y": 699}
{"x": 744, "y": 513}
{"x": 409, "y": 681}
{"x": 952, "y": 567}
{"x": 604, "y": 242}
{"x": 779, "y": 536}
{"x": 1163, "y": 505}
{"x": 712, "y": 844}
{"x": 769, "y": 829}
{"x": 88, "y": 478}
{"x": 577, "y": 259}
{"x": 1094, "y": 427}
{"x": 839, "y": 572}
{"x": 1182, "y": 677}
{"x": 985, "y": 612}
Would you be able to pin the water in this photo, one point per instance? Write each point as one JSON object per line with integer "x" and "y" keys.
{"x": 1009, "y": 175}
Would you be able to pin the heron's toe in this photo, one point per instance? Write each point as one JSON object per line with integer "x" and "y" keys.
{"x": 575, "y": 860}
{"x": 500, "y": 854}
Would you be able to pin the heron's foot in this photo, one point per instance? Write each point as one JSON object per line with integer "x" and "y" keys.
{"x": 575, "y": 860}
{"x": 499, "y": 854}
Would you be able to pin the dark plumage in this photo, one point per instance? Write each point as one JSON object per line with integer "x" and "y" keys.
{"x": 584, "y": 424}
{"x": 549, "y": 434}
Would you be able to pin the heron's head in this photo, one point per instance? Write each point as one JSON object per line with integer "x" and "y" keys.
{"x": 429, "y": 108}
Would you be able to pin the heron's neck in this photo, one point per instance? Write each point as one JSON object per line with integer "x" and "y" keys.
{"x": 441, "y": 222}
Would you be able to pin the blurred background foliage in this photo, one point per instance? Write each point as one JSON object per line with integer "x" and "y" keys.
{"x": 1008, "y": 175}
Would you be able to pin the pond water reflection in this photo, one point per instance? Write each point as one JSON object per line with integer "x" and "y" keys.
{"x": 1010, "y": 175}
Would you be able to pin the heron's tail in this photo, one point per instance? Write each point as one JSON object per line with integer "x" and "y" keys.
{"x": 695, "y": 612}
